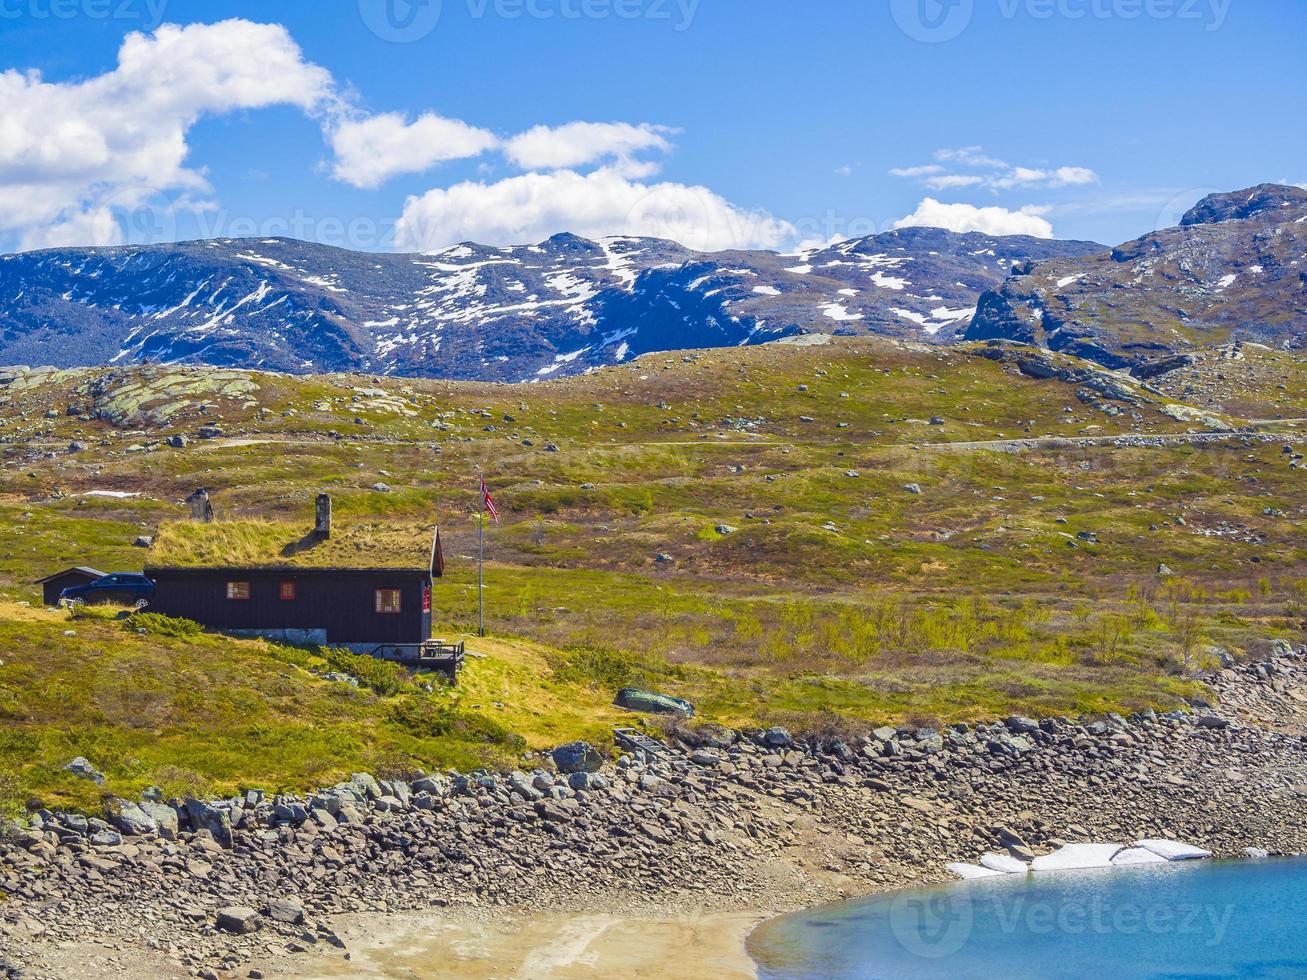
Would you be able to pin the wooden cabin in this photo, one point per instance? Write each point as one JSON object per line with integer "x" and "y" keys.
{"x": 364, "y": 585}
{"x": 52, "y": 585}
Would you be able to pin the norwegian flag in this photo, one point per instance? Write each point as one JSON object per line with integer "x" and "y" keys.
{"x": 487, "y": 502}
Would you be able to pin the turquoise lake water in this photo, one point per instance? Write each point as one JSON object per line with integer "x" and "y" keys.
{"x": 1180, "y": 921}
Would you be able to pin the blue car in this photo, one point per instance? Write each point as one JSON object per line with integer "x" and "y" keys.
{"x": 120, "y": 588}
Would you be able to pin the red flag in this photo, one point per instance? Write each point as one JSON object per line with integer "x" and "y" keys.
{"x": 487, "y": 502}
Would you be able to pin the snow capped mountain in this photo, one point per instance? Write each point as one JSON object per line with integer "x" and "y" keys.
{"x": 1233, "y": 270}
{"x": 520, "y": 313}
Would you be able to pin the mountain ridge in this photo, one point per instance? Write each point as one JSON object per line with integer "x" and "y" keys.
{"x": 1235, "y": 269}
{"x": 468, "y": 311}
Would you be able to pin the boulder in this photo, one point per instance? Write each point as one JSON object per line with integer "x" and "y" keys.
{"x": 582, "y": 781}
{"x": 82, "y": 769}
{"x": 131, "y": 818}
{"x": 239, "y": 919}
{"x": 204, "y": 817}
{"x": 577, "y": 757}
{"x": 366, "y": 785}
{"x": 284, "y": 910}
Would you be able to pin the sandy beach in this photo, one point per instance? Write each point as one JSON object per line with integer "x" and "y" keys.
{"x": 539, "y": 947}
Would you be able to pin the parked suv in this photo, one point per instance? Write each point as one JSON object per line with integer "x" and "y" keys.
{"x": 123, "y": 588}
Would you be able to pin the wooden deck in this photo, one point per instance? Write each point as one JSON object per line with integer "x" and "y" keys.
{"x": 439, "y": 655}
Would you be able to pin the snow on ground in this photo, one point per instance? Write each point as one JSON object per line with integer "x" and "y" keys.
{"x": 263, "y": 260}
{"x": 889, "y": 282}
{"x": 1136, "y": 855}
{"x": 1226, "y": 282}
{"x": 970, "y": 872}
{"x": 328, "y": 284}
{"x": 918, "y": 318}
{"x": 619, "y": 263}
{"x": 1174, "y": 850}
{"x": 766, "y": 290}
{"x": 115, "y": 494}
{"x": 835, "y": 311}
{"x": 1071, "y": 857}
{"x": 1063, "y": 283}
{"x": 1005, "y": 863}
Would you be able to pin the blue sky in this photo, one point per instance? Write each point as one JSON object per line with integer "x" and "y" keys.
{"x": 742, "y": 122}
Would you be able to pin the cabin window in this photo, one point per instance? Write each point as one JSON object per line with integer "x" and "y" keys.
{"x": 288, "y": 591}
{"x": 238, "y": 590}
{"x": 387, "y": 600}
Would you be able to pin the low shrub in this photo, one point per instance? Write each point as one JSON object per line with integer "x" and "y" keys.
{"x": 604, "y": 667}
{"x": 386, "y": 679}
{"x": 157, "y": 624}
{"x": 429, "y": 718}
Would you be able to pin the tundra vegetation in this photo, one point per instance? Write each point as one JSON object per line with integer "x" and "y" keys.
{"x": 825, "y": 537}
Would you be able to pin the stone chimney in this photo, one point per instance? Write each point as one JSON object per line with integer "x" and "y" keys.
{"x": 322, "y": 517}
{"x": 201, "y": 508}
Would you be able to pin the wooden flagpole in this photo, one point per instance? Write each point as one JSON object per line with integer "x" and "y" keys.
{"x": 481, "y": 557}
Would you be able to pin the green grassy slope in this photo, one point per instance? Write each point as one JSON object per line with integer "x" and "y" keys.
{"x": 1023, "y": 577}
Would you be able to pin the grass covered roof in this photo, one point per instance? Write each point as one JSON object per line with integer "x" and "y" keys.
{"x": 281, "y": 544}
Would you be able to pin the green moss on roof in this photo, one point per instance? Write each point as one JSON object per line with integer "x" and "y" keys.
{"x": 269, "y": 544}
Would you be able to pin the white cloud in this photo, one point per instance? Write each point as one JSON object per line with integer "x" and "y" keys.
{"x": 372, "y": 150}
{"x": 531, "y": 207}
{"x": 990, "y": 172}
{"x": 948, "y": 181}
{"x": 962, "y": 218}
{"x": 844, "y": 171}
{"x": 72, "y": 152}
{"x": 579, "y": 143}
{"x": 923, "y": 171}
{"x": 971, "y": 156}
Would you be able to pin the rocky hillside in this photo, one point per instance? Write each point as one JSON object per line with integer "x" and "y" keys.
{"x": 473, "y": 312}
{"x": 1232, "y": 270}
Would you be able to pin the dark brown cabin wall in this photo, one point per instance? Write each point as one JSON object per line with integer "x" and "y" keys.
{"x": 341, "y": 602}
{"x": 50, "y": 590}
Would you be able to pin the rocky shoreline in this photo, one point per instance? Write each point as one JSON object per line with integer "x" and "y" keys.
{"x": 721, "y": 821}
